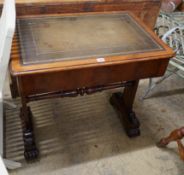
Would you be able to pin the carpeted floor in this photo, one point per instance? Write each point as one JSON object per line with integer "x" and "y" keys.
{"x": 83, "y": 135}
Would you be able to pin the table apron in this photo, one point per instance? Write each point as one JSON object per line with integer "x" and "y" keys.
{"x": 38, "y": 83}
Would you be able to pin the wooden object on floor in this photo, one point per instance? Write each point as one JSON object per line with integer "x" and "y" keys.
{"x": 175, "y": 136}
{"x": 113, "y": 49}
{"x": 147, "y": 10}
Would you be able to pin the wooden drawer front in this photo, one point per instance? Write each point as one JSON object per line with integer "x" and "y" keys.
{"x": 70, "y": 80}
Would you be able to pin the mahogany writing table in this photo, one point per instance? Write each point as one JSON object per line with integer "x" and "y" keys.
{"x": 83, "y": 53}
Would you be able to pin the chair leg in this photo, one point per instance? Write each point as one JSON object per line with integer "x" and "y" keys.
{"x": 10, "y": 104}
{"x": 153, "y": 84}
{"x": 11, "y": 165}
{"x": 150, "y": 87}
{"x": 175, "y": 135}
{"x": 180, "y": 149}
{"x": 3, "y": 169}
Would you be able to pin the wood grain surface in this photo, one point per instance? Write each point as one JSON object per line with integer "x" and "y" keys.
{"x": 81, "y": 75}
{"x": 147, "y": 10}
{"x": 17, "y": 68}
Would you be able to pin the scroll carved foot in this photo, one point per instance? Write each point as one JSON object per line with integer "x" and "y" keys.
{"x": 128, "y": 118}
{"x": 175, "y": 135}
{"x": 30, "y": 150}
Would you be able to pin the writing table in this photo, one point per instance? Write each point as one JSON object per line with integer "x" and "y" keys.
{"x": 82, "y": 53}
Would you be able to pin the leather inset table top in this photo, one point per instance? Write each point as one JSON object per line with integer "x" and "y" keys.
{"x": 71, "y": 37}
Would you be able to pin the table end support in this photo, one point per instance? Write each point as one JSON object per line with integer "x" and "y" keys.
{"x": 123, "y": 103}
{"x": 128, "y": 118}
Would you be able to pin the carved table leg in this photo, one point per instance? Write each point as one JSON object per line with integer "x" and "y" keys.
{"x": 175, "y": 135}
{"x": 123, "y": 103}
{"x": 30, "y": 149}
